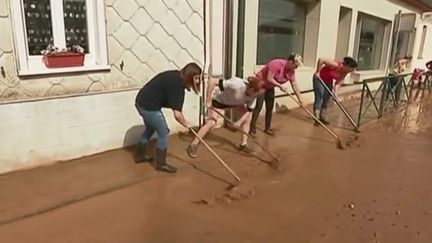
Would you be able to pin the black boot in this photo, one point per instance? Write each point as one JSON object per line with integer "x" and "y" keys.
{"x": 269, "y": 131}
{"x": 140, "y": 154}
{"x": 316, "y": 114}
{"x": 252, "y": 132}
{"x": 160, "y": 162}
{"x": 323, "y": 117}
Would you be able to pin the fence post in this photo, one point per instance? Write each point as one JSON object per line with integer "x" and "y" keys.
{"x": 361, "y": 104}
{"x": 383, "y": 96}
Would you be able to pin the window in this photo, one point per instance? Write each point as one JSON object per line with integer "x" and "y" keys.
{"x": 281, "y": 28}
{"x": 422, "y": 42}
{"x": 63, "y": 23}
{"x": 405, "y": 35}
{"x": 404, "y": 44}
{"x": 371, "y": 37}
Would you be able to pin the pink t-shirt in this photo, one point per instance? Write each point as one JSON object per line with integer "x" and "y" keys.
{"x": 417, "y": 73}
{"x": 281, "y": 75}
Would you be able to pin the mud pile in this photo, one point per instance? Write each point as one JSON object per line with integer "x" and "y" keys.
{"x": 229, "y": 196}
{"x": 354, "y": 141}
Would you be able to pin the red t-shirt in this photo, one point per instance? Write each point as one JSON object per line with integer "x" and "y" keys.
{"x": 281, "y": 75}
{"x": 328, "y": 74}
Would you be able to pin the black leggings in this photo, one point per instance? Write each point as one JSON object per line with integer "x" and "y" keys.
{"x": 269, "y": 98}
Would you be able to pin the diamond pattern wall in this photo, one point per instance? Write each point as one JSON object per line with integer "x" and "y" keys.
{"x": 144, "y": 37}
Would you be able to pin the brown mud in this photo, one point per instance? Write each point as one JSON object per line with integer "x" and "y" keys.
{"x": 376, "y": 191}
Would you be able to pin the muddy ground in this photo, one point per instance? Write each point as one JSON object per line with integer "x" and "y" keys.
{"x": 376, "y": 190}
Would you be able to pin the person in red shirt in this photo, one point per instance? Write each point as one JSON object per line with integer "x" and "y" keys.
{"x": 274, "y": 74}
{"x": 332, "y": 73}
{"x": 420, "y": 76}
{"x": 417, "y": 83}
{"x": 417, "y": 77}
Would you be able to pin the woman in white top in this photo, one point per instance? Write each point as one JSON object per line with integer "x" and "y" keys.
{"x": 235, "y": 93}
{"x": 395, "y": 82}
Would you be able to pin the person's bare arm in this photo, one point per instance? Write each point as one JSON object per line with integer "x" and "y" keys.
{"x": 296, "y": 89}
{"x": 210, "y": 88}
{"x": 270, "y": 78}
{"x": 178, "y": 115}
{"x": 338, "y": 83}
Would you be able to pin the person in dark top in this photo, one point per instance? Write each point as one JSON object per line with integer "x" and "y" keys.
{"x": 428, "y": 73}
{"x": 429, "y": 65}
{"x": 165, "y": 90}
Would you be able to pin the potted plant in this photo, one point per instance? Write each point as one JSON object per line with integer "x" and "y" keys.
{"x": 53, "y": 57}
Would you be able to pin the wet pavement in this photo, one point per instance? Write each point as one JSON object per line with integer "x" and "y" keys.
{"x": 375, "y": 191}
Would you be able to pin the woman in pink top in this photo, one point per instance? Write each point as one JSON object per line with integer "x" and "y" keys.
{"x": 329, "y": 71}
{"x": 274, "y": 74}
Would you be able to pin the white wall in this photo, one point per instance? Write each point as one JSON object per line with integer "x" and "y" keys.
{"x": 330, "y": 13}
{"x": 144, "y": 38}
{"x": 427, "y": 49}
{"x": 328, "y": 34}
{"x": 384, "y": 9}
{"x": 41, "y": 132}
{"x": 68, "y": 116}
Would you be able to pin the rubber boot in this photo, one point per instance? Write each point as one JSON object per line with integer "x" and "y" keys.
{"x": 192, "y": 150}
{"x": 323, "y": 118}
{"x": 245, "y": 148}
{"x": 140, "y": 154}
{"x": 267, "y": 129}
{"x": 160, "y": 163}
{"x": 316, "y": 114}
{"x": 252, "y": 132}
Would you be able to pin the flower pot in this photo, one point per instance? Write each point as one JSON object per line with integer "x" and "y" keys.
{"x": 67, "y": 59}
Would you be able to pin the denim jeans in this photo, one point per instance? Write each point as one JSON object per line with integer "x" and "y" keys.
{"x": 269, "y": 98}
{"x": 322, "y": 96}
{"x": 395, "y": 86}
{"x": 154, "y": 121}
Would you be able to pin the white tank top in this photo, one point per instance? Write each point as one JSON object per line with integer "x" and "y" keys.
{"x": 233, "y": 93}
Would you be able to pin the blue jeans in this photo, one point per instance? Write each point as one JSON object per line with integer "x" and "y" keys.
{"x": 154, "y": 121}
{"x": 322, "y": 96}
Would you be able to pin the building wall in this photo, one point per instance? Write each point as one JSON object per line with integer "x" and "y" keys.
{"x": 329, "y": 23}
{"x": 327, "y": 41}
{"x": 44, "y": 119}
{"x": 427, "y": 48}
{"x": 380, "y": 8}
{"x": 146, "y": 36}
{"x": 49, "y": 130}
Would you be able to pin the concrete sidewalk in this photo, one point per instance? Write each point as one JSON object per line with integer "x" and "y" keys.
{"x": 28, "y": 193}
